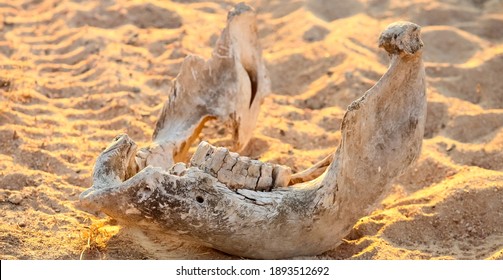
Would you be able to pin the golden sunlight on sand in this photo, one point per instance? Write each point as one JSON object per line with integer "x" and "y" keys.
{"x": 74, "y": 74}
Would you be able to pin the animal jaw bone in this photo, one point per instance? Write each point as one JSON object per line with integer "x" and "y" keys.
{"x": 230, "y": 87}
{"x": 116, "y": 163}
{"x": 381, "y": 136}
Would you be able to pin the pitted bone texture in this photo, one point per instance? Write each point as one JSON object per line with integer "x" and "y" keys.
{"x": 239, "y": 172}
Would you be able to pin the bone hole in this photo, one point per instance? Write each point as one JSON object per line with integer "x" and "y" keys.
{"x": 199, "y": 199}
{"x": 252, "y": 75}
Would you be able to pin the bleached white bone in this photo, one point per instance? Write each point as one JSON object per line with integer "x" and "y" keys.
{"x": 381, "y": 132}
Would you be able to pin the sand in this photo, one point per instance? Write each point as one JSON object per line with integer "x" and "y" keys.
{"x": 74, "y": 74}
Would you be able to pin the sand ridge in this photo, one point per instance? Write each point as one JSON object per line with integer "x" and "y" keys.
{"x": 74, "y": 74}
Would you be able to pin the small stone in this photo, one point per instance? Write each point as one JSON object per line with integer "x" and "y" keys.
{"x": 315, "y": 33}
{"x": 15, "y": 198}
{"x": 348, "y": 75}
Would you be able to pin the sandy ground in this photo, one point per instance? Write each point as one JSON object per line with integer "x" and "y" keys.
{"x": 74, "y": 74}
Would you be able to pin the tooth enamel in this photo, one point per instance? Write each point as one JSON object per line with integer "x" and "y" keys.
{"x": 199, "y": 156}
{"x": 265, "y": 181}
{"x": 244, "y": 162}
{"x": 229, "y": 161}
{"x": 281, "y": 175}
{"x": 254, "y": 169}
{"x": 253, "y": 175}
{"x": 225, "y": 174}
{"x": 240, "y": 171}
{"x": 207, "y": 162}
{"x": 178, "y": 168}
{"x": 250, "y": 183}
{"x": 217, "y": 160}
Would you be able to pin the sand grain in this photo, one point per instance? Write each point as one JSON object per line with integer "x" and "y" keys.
{"x": 74, "y": 74}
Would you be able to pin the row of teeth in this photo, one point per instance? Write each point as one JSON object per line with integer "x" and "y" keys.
{"x": 238, "y": 172}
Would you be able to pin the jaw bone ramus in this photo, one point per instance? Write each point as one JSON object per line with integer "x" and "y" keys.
{"x": 245, "y": 209}
{"x": 230, "y": 87}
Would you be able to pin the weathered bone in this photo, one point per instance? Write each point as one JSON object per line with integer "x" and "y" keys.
{"x": 114, "y": 165}
{"x": 381, "y": 136}
{"x": 230, "y": 87}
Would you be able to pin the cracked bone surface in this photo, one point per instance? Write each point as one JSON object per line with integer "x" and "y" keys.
{"x": 381, "y": 132}
{"x": 230, "y": 87}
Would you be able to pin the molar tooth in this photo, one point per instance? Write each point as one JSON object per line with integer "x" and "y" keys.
{"x": 229, "y": 161}
{"x": 218, "y": 159}
{"x": 281, "y": 176}
{"x": 265, "y": 181}
{"x": 254, "y": 169}
{"x": 245, "y": 163}
{"x": 240, "y": 171}
{"x": 199, "y": 156}
{"x": 250, "y": 183}
{"x": 209, "y": 158}
{"x": 225, "y": 175}
{"x": 178, "y": 169}
{"x": 253, "y": 175}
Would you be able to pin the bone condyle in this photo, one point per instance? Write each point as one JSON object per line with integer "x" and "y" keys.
{"x": 255, "y": 209}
